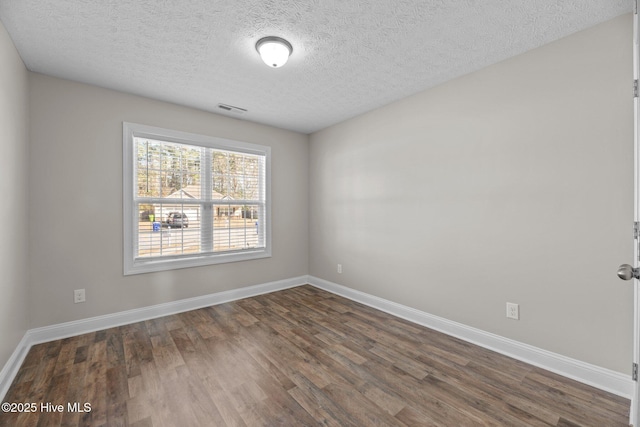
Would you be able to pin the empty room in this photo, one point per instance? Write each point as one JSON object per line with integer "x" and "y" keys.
{"x": 303, "y": 212}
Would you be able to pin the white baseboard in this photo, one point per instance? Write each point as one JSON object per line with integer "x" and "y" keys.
{"x": 92, "y": 324}
{"x": 602, "y": 378}
{"x": 10, "y": 369}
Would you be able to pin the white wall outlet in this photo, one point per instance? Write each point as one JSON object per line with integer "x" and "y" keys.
{"x": 513, "y": 311}
{"x": 339, "y": 268}
{"x": 78, "y": 296}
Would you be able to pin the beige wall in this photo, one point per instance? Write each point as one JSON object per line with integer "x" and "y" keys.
{"x": 76, "y": 203}
{"x": 514, "y": 183}
{"x": 13, "y": 190}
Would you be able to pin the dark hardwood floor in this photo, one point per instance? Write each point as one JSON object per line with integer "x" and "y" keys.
{"x": 299, "y": 357}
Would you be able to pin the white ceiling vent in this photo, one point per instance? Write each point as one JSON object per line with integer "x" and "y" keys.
{"x": 232, "y": 109}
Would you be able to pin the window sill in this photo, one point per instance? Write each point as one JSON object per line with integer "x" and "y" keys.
{"x": 140, "y": 265}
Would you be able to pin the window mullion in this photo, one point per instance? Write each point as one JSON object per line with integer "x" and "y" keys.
{"x": 262, "y": 197}
{"x": 206, "y": 225}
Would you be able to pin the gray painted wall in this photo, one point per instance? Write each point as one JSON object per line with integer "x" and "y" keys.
{"x": 76, "y": 203}
{"x": 514, "y": 183}
{"x": 14, "y": 112}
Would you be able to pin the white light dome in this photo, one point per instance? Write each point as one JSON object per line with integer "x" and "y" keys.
{"x": 274, "y": 51}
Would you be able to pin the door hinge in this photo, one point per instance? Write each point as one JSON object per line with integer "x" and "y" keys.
{"x": 635, "y": 88}
{"x": 636, "y": 237}
{"x": 634, "y": 372}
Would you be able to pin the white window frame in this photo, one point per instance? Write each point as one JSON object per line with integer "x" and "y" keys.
{"x": 133, "y": 265}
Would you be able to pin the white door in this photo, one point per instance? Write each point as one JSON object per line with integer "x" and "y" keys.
{"x": 634, "y": 271}
{"x": 626, "y": 271}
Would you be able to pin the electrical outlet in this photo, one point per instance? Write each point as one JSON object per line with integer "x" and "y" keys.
{"x": 513, "y": 311}
{"x": 339, "y": 268}
{"x": 78, "y": 296}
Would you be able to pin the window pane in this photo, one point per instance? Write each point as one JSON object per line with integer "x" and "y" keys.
{"x": 251, "y": 179}
{"x": 236, "y": 227}
{"x": 148, "y": 168}
{"x": 236, "y": 176}
{"x": 164, "y": 168}
{"x": 168, "y": 229}
{"x": 219, "y": 174}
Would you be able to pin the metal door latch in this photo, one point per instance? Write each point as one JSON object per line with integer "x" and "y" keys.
{"x": 626, "y": 272}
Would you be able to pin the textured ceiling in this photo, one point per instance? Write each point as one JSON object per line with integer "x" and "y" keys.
{"x": 348, "y": 56}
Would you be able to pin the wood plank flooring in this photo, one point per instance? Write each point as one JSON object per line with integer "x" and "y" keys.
{"x": 299, "y": 357}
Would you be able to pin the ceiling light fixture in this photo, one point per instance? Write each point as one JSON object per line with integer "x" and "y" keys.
{"x": 274, "y": 51}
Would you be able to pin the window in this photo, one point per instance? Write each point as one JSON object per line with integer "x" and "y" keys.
{"x": 192, "y": 200}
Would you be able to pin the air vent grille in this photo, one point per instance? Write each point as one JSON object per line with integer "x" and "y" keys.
{"x": 232, "y": 109}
